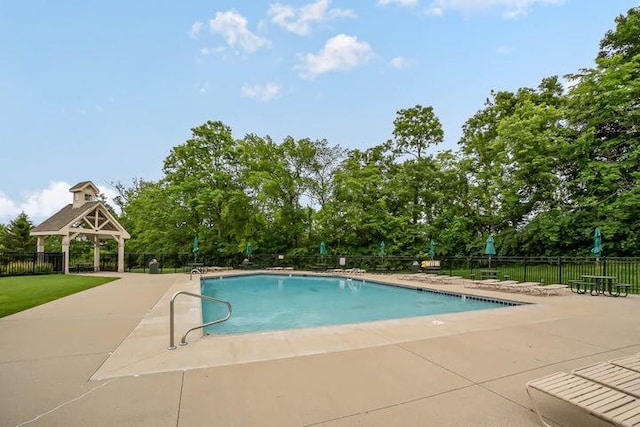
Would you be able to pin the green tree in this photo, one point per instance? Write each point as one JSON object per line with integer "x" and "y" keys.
{"x": 201, "y": 178}
{"x": 278, "y": 177}
{"x": 415, "y": 130}
{"x": 17, "y": 238}
{"x": 3, "y": 233}
{"x": 512, "y": 154}
{"x": 603, "y": 159}
{"x": 151, "y": 217}
{"x": 364, "y": 208}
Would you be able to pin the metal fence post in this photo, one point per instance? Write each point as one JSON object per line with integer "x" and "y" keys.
{"x": 559, "y": 269}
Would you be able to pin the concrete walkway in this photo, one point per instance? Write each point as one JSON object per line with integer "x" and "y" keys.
{"x": 99, "y": 358}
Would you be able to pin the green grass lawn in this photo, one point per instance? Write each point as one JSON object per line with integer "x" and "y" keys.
{"x": 22, "y": 292}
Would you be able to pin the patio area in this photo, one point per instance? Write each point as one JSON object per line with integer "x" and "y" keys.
{"x": 100, "y": 358}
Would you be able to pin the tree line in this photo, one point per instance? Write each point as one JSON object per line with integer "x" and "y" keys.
{"x": 538, "y": 168}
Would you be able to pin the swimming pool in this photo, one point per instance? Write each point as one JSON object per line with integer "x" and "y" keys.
{"x": 274, "y": 302}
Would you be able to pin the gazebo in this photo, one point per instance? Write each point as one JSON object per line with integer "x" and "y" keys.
{"x": 88, "y": 217}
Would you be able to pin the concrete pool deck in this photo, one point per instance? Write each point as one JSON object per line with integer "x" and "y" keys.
{"x": 100, "y": 357}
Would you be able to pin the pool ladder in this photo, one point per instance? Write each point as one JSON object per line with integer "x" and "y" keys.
{"x": 195, "y": 271}
{"x": 172, "y": 345}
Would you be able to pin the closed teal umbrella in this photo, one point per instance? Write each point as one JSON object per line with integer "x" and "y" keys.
{"x": 382, "y": 252}
{"x": 249, "y": 249}
{"x": 597, "y": 243}
{"x": 432, "y": 248}
{"x": 323, "y": 248}
{"x": 490, "y": 248}
{"x": 196, "y": 247}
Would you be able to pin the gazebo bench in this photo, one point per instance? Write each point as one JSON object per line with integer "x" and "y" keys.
{"x": 85, "y": 268}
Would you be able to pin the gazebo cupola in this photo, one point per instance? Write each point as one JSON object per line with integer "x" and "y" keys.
{"x": 84, "y": 192}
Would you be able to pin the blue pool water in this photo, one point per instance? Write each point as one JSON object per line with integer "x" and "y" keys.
{"x": 273, "y": 302}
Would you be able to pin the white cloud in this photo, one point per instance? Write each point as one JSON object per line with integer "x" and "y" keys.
{"x": 340, "y": 53}
{"x": 196, "y": 27}
{"x": 41, "y": 204}
{"x": 205, "y": 87}
{"x": 434, "y": 11}
{"x": 233, "y": 27}
{"x": 400, "y": 2}
{"x": 260, "y": 92}
{"x": 503, "y": 50}
{"x": 511, "y": 9}
{"x": 298, "y": 20}
{"x": 8, "y": 209}
{"x": 399, "y": 63}
{"x": 206, "y": 51}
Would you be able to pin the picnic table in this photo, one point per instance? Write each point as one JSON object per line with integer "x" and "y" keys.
{"x": 489, "y": 274}
{"x": 599, "y": 284}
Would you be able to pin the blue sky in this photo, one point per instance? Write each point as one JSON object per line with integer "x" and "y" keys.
{"x": 101, "y": 91}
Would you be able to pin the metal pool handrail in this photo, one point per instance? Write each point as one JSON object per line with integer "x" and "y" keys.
{"x": 171, "y": 316}
{"x": 195, "y": 271}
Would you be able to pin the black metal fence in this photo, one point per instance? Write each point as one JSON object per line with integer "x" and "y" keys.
{"x": 30, "y": 263}
{"x": 547, "y": 270}
{"x": 524, "y": 269}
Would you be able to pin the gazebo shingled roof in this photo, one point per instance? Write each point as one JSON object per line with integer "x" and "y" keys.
{"x": 63, "y": 217}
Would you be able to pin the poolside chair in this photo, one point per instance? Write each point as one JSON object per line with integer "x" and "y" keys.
{"x": 503, "y": 285}
{"x": 521, "y": 286}
{"x": 481, "y": 283}
{"x": 614, "y": 376}
{"x": 418, "y": 276}
{"x": 444, "y": 280}
{"x": 629, "y": 362}
{"x": 547, "y": 290}
{"x": 604, "y": 402}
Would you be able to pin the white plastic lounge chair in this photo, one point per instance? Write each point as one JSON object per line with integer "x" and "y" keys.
{"x": 483, "y": 283}
{"x": 487, "y": 283}
{"x": 416, "y": 276}
{"x": 504, "y": 284}
{"x": 622, "y": 379}
{"x": 547, "y": 290}
{"x": 444, "y": 280}
{"x": 604, "y": 402}
{"x": 629, "y": 362}
{"x": 522, "y": 286}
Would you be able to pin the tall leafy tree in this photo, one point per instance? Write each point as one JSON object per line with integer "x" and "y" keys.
{"x": 415, "y": 130}
{"x": 486, "y": 161}
{"x": 605, "y": 113}
{"x": 201, "y": 179}
{"x": 279, "y": 177}
{"x": 151, "y": 217}
{"x": 363, "y": 210}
